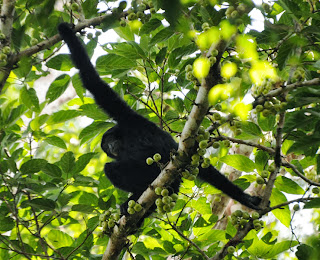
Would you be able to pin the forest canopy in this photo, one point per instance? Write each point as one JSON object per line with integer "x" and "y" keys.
{"x": 235, "y": 83}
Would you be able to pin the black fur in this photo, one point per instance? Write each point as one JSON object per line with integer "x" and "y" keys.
{"x": 135, "y": 138}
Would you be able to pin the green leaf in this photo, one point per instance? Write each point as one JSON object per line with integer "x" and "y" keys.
{"x": 58, "y": 87}
{"x": 93, "y": 111}
{"x": 312, "y": 204}
{"x": 29, "y": 98}
{"x": 52, "y": 170}
{"x": 83, "y": 208}
{"x": 67, "y": 162}
{"x": 109, "y": 62}
{"x": 129, "y": 50}
{"x": 60, "y": 62}
{"x": 283, "y": 214}
{"x": 42, "y": 204}
{"x": 287, "y": 185}
{"x": 56, "y": 141}
{"x": 89, "y": 8}
{"x": 150, "y": 26}
{"x": 33, "y": 166}
{"x": 83, "y": 161}
{"x": 77, "y": 85}
{"x": 251, "y": 128}
{"x": 16, "y": 113}
{"x": 125, "y": 33}
{"x": 36, "y": 123}
{"x": 239, "y": 162}
{"x": 6, "y": 224}
{"x": 58, "y": 238}
{"x": 93, "y": 130}
{"x": 266, "y": 123}
{"x": 161, "y": 36}
{"x": 62, "y": 116}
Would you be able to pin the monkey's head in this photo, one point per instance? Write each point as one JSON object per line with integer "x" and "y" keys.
{"x": 111, "y": 142}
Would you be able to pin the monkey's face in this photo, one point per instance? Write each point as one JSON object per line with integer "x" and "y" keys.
{"x": 111, "y": 143}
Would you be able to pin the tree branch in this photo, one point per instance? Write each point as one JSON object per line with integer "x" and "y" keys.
{"x": 118, "y": 238}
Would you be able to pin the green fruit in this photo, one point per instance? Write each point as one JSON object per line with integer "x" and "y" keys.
{"x": 206, "y": 135}
{"x": 2, "y": 36}
{"x": 149, "y": 161}
{"x": 266, "y": 112}
{"x": 216, "y": 116}
{"x": 234, "y": 14}
{"x": 226, "y": 143}
{"x": 97, "y": 33}
{"x": 6, "y": 50}
{"x": 315, "y": 190}
{"x": 264, "y": 174}
{"x": 243, "y": 222}
{"x": 159, "y": 202}
{"x": 152, "y": 10}
{"x": 296, "y": 207}
{"x": 131, "y": 203}
{"x": 189, "y": 75}
{"x": 195, "y": 171}
{"x": 231, "y": 249}
{"x": 137, "y": 207}
{"x": 166, "y": 208}
{"x": 255, "y": 215}
{"x": 195, "y": 157}
{"x": 140, "y": 14}
{"x": 203, "y": 144}
{"x": 123, "y": 23}
{"x": 245, "y": 215}
{"x": 165, "y": 192}
{"x": 188, "y": 68}
{"x": 111, "y": 223}
{"x": 238, "y": 213}
{"x": 201, "y": 152}
{"x": 174, "y": 196}
{"x": 205, "y": 165}
{"x": 259, "y": 108}
{"x": 89, "y": 35}
{"x": 3, "y": 56}
{"x": 200, "y": 137}
{"x": 102, "y": 217}
{"x": 257, "y": 226}
{"x": 33, "y": 41}
{"x": 157, "y": 157}
{"x": 260, "y": 180}
{"x": 74, "y": 7}
{"x": 150, "y": 4}
{"x": 205, "y": 25}
{"x": 214, "y": 52}
{"x": 166, "y": 200}
{"x": 158, "y": 190}
{"x": 216, "y": 145}
{"x": 131, "y": 211}
{"x": 142, "y": 7}
{"x": 132, "y": 16}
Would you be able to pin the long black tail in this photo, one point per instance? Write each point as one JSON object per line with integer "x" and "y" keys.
{"x": 216, "y": 179}
{"x": 105, "y": 97}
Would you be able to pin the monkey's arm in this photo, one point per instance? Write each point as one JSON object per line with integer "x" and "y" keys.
{"x": 103, "y": 94}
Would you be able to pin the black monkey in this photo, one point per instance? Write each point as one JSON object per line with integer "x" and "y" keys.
{"x": 135, "y": 138}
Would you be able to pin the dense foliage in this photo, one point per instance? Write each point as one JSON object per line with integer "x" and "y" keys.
{"x": 262, "y": 124}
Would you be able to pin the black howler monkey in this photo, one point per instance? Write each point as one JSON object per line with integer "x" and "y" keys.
{"x": 135, "y": 138}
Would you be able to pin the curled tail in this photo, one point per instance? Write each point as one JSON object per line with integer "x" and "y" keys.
{"x": 105, "y": 97}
